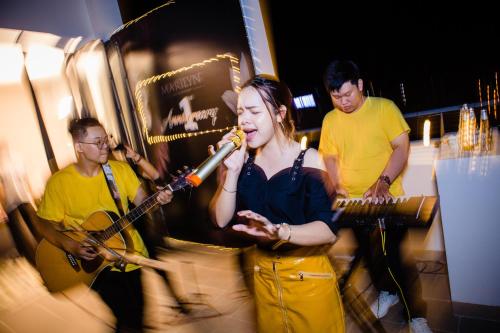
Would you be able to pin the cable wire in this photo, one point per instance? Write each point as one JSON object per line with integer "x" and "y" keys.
{"x": 383, "y": 236}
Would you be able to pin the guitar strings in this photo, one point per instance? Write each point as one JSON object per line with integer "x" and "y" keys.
{"x": 144, "y": 203}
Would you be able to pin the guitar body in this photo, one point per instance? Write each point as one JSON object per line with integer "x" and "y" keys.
{"x": 59, "y": 272}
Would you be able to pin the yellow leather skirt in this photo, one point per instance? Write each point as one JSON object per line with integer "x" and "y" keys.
{"x": 297, "y": 291}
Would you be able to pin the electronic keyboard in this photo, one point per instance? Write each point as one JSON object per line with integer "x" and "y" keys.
{"x": 415, "y": 211}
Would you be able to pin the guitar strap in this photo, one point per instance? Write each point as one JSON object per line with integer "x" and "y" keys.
{"x": 113, "y": 188}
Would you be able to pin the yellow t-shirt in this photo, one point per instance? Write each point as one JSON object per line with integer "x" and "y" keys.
{"x": 71, "y": 197}
{"x": 362, "y": 143}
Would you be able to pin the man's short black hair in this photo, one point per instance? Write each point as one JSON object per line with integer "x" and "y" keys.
{"x": 339, "y": 72}
{"x": 78, "y": 127}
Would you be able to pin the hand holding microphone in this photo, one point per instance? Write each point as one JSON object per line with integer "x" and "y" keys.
{"x": 229, "y": 143}
{"x": 234, "y": 161}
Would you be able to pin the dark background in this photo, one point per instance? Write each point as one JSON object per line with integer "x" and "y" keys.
{"x": 437, "y": 53}
{"x": 176, "y": 36}
{"x": 437, "y": 50}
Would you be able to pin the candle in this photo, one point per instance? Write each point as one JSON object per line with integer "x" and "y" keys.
{"x": 427, "y": 133}
{"x": 303, "y": 142}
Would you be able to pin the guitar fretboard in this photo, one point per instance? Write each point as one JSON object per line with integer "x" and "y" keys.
{"x": 130, "y": 217}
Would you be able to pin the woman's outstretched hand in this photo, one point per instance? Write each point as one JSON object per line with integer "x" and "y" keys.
{"x": 257, "y": 225}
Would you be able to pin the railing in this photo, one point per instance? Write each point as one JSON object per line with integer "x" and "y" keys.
{"x": 443, "y": 120}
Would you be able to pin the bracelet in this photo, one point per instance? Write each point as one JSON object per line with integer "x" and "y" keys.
{"x": 289, "y": 230}
{"x": 283, "y": 241}
{"x": 228, "y": 190}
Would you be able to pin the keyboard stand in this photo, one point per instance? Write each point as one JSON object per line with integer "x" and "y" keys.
{"x": 355, "y": 304}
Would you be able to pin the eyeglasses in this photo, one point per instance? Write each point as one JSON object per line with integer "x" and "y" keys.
{"x": 99, "y": 143}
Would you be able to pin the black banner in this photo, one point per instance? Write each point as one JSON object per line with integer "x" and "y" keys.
{"x": 185, "y": 62}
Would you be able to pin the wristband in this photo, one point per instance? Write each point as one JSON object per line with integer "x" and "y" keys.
{"x": 385, "y": 179}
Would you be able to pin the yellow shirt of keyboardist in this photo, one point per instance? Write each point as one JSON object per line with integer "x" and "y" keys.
{"x": 361, "y": 141}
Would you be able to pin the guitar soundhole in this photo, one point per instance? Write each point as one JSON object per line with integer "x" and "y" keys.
{"x": 91, "y": 265}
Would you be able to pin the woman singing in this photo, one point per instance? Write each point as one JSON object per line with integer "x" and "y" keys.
{"x": 275, "y": 192}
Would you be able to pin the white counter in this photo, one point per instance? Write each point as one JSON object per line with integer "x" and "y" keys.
{"x": 469, "y": 191}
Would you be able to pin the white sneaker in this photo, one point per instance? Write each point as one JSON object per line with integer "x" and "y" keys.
{"x": 419, "y": 325}
{"x": 384, "y": 301}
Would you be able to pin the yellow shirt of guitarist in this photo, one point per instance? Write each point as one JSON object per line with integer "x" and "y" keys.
{"x": 71, "y": 198}
{"x": 362, "y": 143}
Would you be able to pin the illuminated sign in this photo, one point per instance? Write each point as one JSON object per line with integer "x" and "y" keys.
{"x": 192, "y": 98}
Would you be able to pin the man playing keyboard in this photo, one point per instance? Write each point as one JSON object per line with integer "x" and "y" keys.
{"x": 365, "y": 146}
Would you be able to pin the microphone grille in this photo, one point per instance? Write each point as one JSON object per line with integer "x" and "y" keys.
{"x": 239, "y": 136}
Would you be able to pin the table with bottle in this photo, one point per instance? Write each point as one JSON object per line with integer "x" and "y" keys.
{"x": 468, "y": 180}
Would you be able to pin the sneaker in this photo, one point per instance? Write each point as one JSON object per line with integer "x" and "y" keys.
{"x": 419, "y": 325}
{"x": 382, "y": 304}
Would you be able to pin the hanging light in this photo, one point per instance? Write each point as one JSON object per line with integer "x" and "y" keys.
{"x": 11, "y": 63}
{"x": 64, "y": 107}
{"x": 44, "y": 61}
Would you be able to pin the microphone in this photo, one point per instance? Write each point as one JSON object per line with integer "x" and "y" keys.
{"x": 208, "y": 166}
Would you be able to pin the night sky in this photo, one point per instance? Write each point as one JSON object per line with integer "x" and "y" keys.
{"x": 438, "y": 54}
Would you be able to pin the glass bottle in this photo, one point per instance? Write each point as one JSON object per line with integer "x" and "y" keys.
{"x": 484, "y": 132}
{"x": 472, "y": 130}
{"x": 461, "y": 127}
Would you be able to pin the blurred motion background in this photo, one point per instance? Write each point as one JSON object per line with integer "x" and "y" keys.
{"x": 163, "y": 76}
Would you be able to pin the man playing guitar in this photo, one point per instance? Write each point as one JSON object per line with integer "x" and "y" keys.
{"x": 77, "y": 192}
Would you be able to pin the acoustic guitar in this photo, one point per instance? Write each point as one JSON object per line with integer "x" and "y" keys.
{"x": 105, "y": 231}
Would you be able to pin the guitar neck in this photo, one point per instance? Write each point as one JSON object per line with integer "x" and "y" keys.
{"x": 124, "y": 221}
{"x": 142, "y": 209}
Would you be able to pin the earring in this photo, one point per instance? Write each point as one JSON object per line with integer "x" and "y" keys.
{"x": 282, "y": 126}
